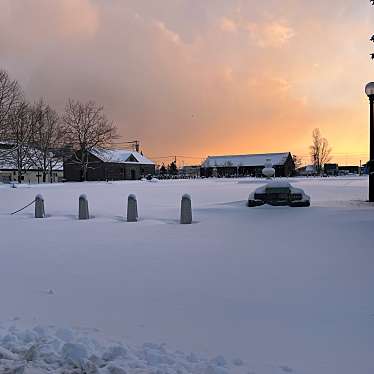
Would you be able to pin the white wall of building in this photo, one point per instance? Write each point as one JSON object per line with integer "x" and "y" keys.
{"x": 30, "y": 176}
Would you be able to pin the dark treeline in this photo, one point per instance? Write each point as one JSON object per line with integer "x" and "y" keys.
{"x": 34, "y": 135}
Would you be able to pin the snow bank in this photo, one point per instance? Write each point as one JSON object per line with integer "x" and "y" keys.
{"x": 285, "y": 290}
{"x": 56, "y": 350}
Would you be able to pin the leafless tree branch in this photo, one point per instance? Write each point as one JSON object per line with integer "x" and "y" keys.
{"x": 320, "y": 151}
{"x": 86, "y": 127}
{"x": 20, "y": 133}
{"x": 10, "y": 96}
{"x": 47, "y": 137}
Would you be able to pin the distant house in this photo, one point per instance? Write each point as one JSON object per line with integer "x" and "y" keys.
{"x": 248, "y": 165}
{"x": 9, "y": 174}
{"x": 109, "y": 164}
{"x": 331, "y": 169}
{"x": 349, "y": 169}
{"x": 190, "y": 171}
{"x": 30, "y": 174}
{"x": 307, "y": 171}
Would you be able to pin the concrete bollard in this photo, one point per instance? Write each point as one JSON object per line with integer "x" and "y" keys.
{"x": 186, "y": 210}
{"x": 132, "y": 209}
{"x": 83, "y": 207}
{"x": 39, "y": 207}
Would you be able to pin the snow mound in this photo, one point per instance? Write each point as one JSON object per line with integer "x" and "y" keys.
{"x": 71, "y": 351}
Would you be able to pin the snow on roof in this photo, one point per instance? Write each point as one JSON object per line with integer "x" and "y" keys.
{"x": 59, "y": 166}
{"x": 246, "y": 160}
{"x": 4, "y": 144}
{"x": 121, "y": 156}
{"x": 7, "y": 164}
{"x": 9, "y": 167}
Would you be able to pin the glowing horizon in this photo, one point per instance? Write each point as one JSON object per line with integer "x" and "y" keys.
{"x": 202, "y": 78}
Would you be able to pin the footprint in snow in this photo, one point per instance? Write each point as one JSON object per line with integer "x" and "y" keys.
{"x": 49, "y": 292}
{"x": 286, "y": 369}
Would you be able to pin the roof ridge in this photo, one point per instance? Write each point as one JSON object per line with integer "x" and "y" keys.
{"x": 109, "y": 155}
{"x": 252, "y": 154}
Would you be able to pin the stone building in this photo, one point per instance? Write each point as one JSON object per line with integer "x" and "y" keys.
{"x": 109, "y": 164}
{"x": 248, "y": 165}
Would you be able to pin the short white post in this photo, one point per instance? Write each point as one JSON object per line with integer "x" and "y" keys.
{"x": 83, "y": 207}
{"x": 132, "y": 209}
{"x": 39, "y": 207}
{"x": 186, "y": 210}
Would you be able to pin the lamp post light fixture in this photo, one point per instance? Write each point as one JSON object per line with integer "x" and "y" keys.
{"x": 369, "y": 90}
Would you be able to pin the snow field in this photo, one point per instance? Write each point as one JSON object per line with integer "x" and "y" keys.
{"x": 279, "y": 289}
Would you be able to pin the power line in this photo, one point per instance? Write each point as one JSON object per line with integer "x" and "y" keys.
{"x": 173, "y": 156}
{"x": 338, "y": 154}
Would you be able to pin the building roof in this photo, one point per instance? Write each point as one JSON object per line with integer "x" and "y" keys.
{"x": 29, "y": 163}
{"x": 121, "y": 156}
{"x": 4, "y": 144}
{"x": 246, "y": 160}
{"x": 4, "y": 166}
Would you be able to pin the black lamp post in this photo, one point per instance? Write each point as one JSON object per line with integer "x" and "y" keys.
{"x": 369, "y": 89}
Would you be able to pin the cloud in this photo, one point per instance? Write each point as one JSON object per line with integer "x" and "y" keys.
{"x": 270, "y": 34}
{"x": 170, "y": 35}
{"x": 77, "y": 18}
{"x": 263, "y": 34}
{"x": 228, "y": 25}
{"x": 195, "y": 76}
{"x": 41, "y": 20}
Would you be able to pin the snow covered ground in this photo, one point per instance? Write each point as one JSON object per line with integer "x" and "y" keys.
{"x": 262, "y": 290}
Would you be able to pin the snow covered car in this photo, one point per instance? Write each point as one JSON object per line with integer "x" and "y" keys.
{"x": 278, "y": 194}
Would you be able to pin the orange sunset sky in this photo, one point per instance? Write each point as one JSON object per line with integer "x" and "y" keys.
{"x": 202, "y": 77}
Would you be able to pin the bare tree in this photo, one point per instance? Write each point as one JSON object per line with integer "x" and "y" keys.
{"x": 86, "y": 127}
{"x": 320, "y": 151}
{"x": 47, "y": 138}
{"x": 297, "y": 161}
{"x": 20, "y": 133}
{"x": 10, "y": 97}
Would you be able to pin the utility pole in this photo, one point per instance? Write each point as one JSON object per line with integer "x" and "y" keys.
{"x": 134, "y": 145}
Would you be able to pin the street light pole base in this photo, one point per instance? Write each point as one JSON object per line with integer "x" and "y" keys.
{"x": 371, "y": 188}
